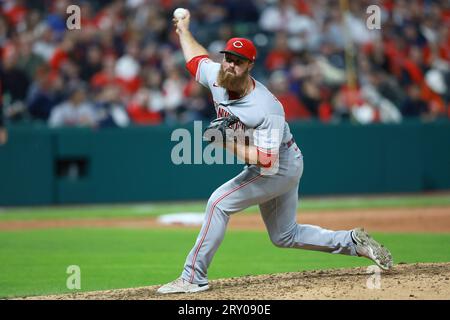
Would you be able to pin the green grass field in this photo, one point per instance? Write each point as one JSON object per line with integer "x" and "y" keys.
{"x": 34, "y": 262}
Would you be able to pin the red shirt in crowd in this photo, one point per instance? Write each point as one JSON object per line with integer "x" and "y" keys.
{"x": 142, "y": 115}
{"x": 293, "y": 108}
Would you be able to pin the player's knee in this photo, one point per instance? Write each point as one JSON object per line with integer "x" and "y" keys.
{"x": 214, "y": 203}
{"x": 284, "y": 240}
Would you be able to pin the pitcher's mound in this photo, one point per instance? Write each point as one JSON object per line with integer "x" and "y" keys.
{"x": 404, "y": 281}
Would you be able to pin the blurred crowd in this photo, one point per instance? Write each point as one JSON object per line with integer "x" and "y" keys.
{"x": 124, "y": 66}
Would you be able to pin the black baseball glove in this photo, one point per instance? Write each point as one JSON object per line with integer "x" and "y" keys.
{"x": 217, "y": 129}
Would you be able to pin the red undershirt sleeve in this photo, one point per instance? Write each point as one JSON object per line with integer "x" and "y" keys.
{"x": 193, "y": 64}
{"x": 266, "y": 157}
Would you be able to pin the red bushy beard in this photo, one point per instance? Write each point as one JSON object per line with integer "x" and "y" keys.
{"x": 231, "y": 81}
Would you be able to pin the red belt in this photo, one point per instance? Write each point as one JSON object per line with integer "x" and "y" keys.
{"x": 290, "y": 142}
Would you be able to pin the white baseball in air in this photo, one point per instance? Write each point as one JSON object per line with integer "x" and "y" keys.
{"x": 180, "y": 13}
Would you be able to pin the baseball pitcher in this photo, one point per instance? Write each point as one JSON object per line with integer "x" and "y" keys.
{"x": 273, "y": 171}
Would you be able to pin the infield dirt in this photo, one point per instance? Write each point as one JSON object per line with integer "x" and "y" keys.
{"x": 432, "y": 219}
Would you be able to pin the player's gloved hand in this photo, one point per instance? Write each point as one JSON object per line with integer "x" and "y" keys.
{"x": 217, "y": 129}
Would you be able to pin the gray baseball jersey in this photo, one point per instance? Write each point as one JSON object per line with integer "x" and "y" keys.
{"x": 276, "y": 193}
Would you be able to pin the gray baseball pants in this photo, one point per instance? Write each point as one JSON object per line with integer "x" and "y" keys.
{"x": 277, "y": 197}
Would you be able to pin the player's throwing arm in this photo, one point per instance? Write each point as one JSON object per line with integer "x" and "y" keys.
{"x": 191, "y": 48}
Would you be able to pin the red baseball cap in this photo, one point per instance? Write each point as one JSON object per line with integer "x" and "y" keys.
{"x": 241, "y": 47}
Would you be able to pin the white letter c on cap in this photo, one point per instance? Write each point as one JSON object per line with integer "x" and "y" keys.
{"x": 237, "y": 44}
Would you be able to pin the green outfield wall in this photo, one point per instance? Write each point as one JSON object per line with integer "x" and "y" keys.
{"x": 134, "y": 164}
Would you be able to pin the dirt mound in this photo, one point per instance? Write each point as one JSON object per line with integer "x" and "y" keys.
{"x": 405, "y": 281}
